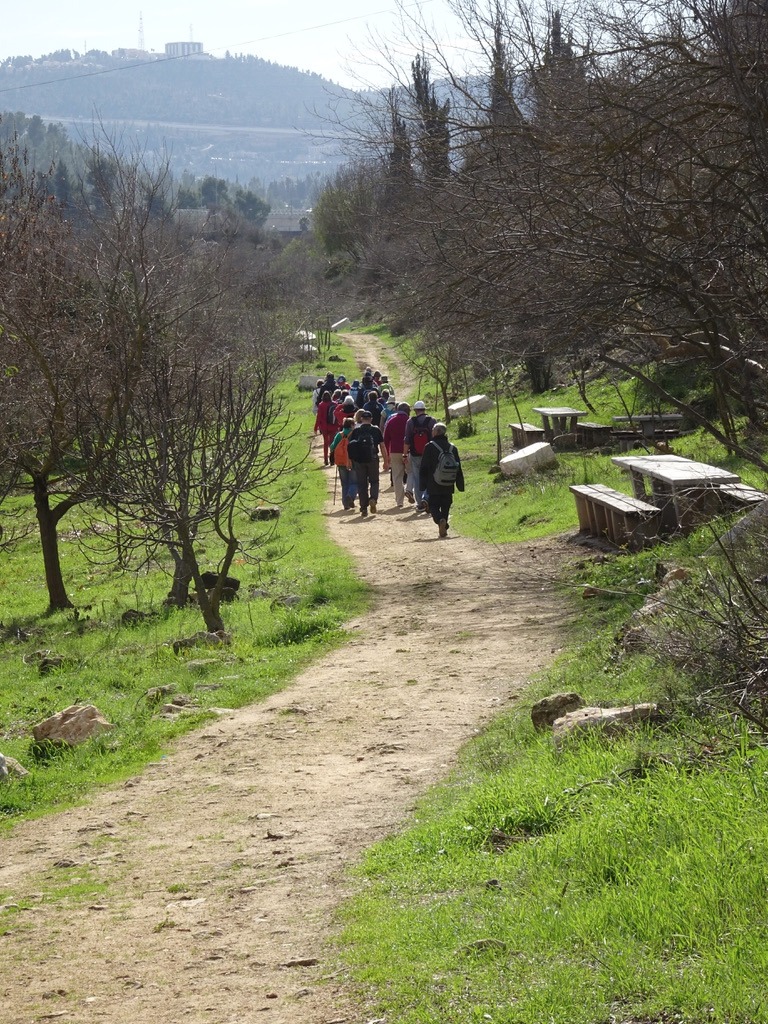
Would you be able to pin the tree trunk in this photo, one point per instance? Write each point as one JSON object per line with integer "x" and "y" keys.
{"x": 178, "y": 595}
{"x": 47, "y": 520}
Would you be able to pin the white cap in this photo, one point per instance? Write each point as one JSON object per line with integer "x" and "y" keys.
{"x": 419, "y": 407}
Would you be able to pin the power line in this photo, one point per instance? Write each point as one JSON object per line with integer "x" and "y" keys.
{"x": 247, "y": 42}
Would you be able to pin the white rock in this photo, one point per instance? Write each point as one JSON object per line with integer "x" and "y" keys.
{"x": 73, "y": 725}
{"x": 473, "y": 404}
{"x": 528, "y": 460}
{"x": 610, "y": 721}
{"x": 308, "y": 381}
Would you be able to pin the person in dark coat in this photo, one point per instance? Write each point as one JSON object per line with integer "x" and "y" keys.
{"x": 373, "y": 406}
{"x": 439, "y": 495}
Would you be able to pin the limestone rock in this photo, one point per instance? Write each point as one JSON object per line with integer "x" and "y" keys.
{"x": 528, "y": 459}
{"x": 547, "y": 710}
{"x": 73, "y": 725}
{"x": 473, "y": 404}
{"x": 201, "y": 638}
{"x": 308, "y": 382}
{"x": 14, "y": 768}
{"x": 157, "y": 693}
{"x": 609, "y": 721}
{"x": 263, "y": 512}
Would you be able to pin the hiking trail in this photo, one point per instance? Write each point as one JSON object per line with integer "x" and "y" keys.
{"x": 224, "y": 863}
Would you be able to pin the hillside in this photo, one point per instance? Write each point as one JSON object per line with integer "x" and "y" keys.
{"x": 237, "y": 117}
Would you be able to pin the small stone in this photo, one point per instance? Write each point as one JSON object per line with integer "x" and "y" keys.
{"x": 265, "y": 512}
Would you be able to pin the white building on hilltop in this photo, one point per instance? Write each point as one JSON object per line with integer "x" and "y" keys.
{"x": 187, "y": 49}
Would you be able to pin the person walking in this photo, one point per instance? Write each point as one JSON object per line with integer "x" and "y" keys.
{"x": 317, "y": 395}
{"x": 394, "y": 437}
{"x": 340, "y": 456}
{"x": 344, "y": 409}
{"x": 364, "y": 444}
{"x": 373, "y": 405}
{"x": 417, "y": 436}
{"x": 440, "y": 472}
{"x": 325, "y": 422}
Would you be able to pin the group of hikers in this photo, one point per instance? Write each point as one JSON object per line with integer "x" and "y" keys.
{"x": 361, "y": 421}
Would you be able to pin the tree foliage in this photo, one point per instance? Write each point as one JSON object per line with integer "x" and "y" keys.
{"x": 601, "y": 200}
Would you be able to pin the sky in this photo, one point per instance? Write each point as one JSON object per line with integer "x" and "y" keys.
{"x": 342, "y": 40}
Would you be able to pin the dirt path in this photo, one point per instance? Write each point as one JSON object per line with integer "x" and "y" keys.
{"x": 222, "y": 865}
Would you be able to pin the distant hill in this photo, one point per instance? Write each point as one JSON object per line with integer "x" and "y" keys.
{"x": 237, "y": 117}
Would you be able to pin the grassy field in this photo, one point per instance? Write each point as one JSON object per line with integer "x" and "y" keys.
{"x": 112, "y": 665}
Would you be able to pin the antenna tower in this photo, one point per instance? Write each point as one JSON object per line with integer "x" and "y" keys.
{"x": 141, "y": 30}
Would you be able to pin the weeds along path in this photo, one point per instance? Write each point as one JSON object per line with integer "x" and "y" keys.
{"x": 204, "y": 890}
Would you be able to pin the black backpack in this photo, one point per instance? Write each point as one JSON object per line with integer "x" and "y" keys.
{"x": 362, "y": 447}
{"x": 330, "y": 414}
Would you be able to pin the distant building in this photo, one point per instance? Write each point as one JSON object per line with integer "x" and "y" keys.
{"x": 187, "y": 49}
{"x": 289, "y": 225}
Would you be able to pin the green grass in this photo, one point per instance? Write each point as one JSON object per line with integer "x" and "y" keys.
{"x": 112, "y": 665}
{"x": 618, "y": 881}
{"x": 612, "y": 880}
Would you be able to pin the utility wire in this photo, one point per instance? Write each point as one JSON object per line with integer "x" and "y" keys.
{"x": 185, "y": 56}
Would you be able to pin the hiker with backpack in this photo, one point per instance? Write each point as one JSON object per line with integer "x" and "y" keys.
{"x": 440, "y": 472}
{"x": 418, "y": 434}
{"x": 363, "y": 447}
{"x": 317, "y": 395}
{"x": 366, "y": 385}
{"x": 373, "y": 405}
{"x": 345, "y": 408}
{"x": 394, "y": 436}
{"x": 325, "y": 422}
{"x": 340, "y": 457}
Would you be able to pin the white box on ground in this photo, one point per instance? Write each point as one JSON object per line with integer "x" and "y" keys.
{"x": 528, "y": 460}
{"x": 473, "y": 404}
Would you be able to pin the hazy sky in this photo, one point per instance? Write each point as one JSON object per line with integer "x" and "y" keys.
{"x": 333, "y": 39}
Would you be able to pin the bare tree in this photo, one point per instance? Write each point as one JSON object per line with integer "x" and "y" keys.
{"x": 204, "y": 439}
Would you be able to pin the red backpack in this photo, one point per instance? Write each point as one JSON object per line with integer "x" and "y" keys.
{"x": 421, "y": 437}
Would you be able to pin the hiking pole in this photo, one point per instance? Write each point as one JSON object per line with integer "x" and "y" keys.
{"x": 335, "y": 481}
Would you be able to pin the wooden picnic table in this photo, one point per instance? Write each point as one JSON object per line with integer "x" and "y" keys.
{"x": 559, "y": 420}
{"x": 683, "y": 490}
{"x": 652, "y": 424}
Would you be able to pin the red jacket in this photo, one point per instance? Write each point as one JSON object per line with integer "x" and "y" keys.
{"x": 394, "y": 432}
{"x": 321, "y": 420}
